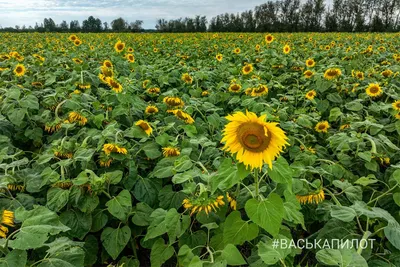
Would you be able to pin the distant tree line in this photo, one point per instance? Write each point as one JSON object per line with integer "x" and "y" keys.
{"x": 272, "y": 16}
{"x": 90, "y": 24}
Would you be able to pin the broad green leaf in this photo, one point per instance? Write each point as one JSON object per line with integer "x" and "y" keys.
{"x": 232, "y": 256}
{"x": 142, "y": 213}
{"x": 15, "y": 258}
{"x": 342, "y": 258}
{"x": 343, "y": 213}
{"x": 57, "y": 198}
{"x": 79, "y": 222}
{"x": 281, "y": 171}
{"x": 271, "y": 253}
{"x": 160, "y": 253}
{"x": 121, "y": 205}
{"x": 236, "y": 231}
{"x": 115, "y": 240}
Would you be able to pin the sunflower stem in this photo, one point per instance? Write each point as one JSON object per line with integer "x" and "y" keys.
{"x": 256, "y": 182}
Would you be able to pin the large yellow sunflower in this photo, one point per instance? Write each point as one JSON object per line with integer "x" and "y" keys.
{"x": 235, "y": 87}
{"x": 187, "y": 78}
{"x": 219, "y": 57}
{"x": 332, "y": 73}
{"x": 396, "y": 105}
{"x": 373, "y": 90}
{"x": 145, "y": 126}
{"x": 310, "y": 63}
{"x": 286, "y": 49}
{"x": 19, "y": 70}
{"x": 107, "y": 63}
{"x": 247, "y": 69}
{"x": 322, "y": 127}
{"x": 253, "y": 140}
{"x": 170, "y": 151}
{"x": 119, "y": 46}
{"x": 311, "y": 94}
{"x": 269, "y": 38}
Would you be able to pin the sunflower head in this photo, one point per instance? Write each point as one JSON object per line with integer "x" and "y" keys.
{"x": 310, "y": 63}
{"x": 170, "y": 151}
{"x": 7, "y": 218}
{"x": 151, "y": 109}
{"x": 253, "y": 140}
{"x": 77, "y": 42}
{"x": 236, "y": 50}
{"x": 219, "y": 57}
{"x": 119, "y": 46}
{"x": 247, "y": 69}
{"x": 311, "y": 94}
{"x": 308, "y": 73}
{"x": 19, "y": 70}
{"x": 173, "y": 101}
{"x": 396, "y": 105}
{"x": 235, "y": 87}
{"x": 108, "y": 64}
{"x": 130, "y": 58}
{"x": 286, "y": 49}
{"x": 374, "y": 90}
{"x": 180, "y": 114}
{"x": 269, "y": 38}
{"x": 153, "y": 91}
{"x": 322, "y": 127}
{"x": 114, "y": 85}
{"x": 312, "y": 198}
{"x": 187, "y": 78}
{"x": 145, "y": 126}
{"x": 332, "y": 73}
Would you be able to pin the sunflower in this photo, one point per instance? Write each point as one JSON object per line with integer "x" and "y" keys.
{"x": 107, "y": 72}
{"x": 206, "y": 204}
{"x": 311, "y": 94}
{"x": 322, "y": 127}
{"x": 187, "y": 78}
{"x": 52, "y": 127}
{"x": 77, "y": 117}
{"x": 131, "y": 50}
{"x": 182, "y": 116}
{"x": 247, "y": 69}
{"x": 312, "y": 198}
{"x": 397, "y": 116}
{"x": 173, "y": 101}
{"x": 219, "y": 57}
{"x": 77, "y": 60}
{"x": 308, "y": 73}
{"x": 332, "y": 73}
{"x": 72, "y": 37}
{"x": 19, "y": 70}
{"x": 387, "y": 73}
{"x": 105, "y": 162}
{"x": 286, "y": 49}
{"x": 269, "y": 38}
{"x": 63, "y": 155}
{"x": 145, "y": 83}
{"x": 235, "y": 87}
{"x": 151, "y": 109}
{"x": 344, "y": 126}
{"x": 109, "y": 147}
{"x": 396, "y": 105}
{"x": 114, "y": 85}
{"x": 373, "y": 90}
{"x": 170, "y": 151}
{"x": 130, "y": 58}
{"x": 108, "y": 64}
{"x": 77, "y": 42}
{"x": 232, "y": 201}
{"x": 310, "y": 63}
{"x": 253, "y": 140}
{"x": 236, "y": 50}
{"x": 359, "y": 75}
{"x": 205, "y": 93}
{"x": 262, "y": 89}
{"x": 145, "y": 126}
{"x": 153, "y": 91}
{"x": 7, "y": 218}
{"x": 119, "y": 46}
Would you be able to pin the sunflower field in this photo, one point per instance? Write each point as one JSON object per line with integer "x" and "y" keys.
{"x": 201, "y": 149}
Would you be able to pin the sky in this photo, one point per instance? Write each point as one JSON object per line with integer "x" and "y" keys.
{"x": 28, "y": 12}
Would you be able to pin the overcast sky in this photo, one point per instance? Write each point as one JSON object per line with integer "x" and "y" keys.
{"x": 28, "y": 12}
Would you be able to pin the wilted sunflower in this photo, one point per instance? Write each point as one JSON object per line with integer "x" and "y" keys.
{"x": 173, "y": 101}
{"x": 170, "y": 151}
{"x": 286, "y": 49}
{"x": 322, "y": 127}
{"x": 308, "y": 73}
{"x": 114, "y": 85}
{"x": 107, "y": 63}
{"x": 232, "y": 201}
{"x": 19, "y": 70}
{"x": 109, "y": 147}
{"x": 7, "y": 218}
{"x": 151, "y": 109}
{"x": 130, "y": 58}
{"x": 77, "y": 117}
{"x": 396, "y": 105}
{"x": 206, "y": 204}
{"x": 105, "y": 161}
{"x": 219, "y": 57}
{"x": 269, "y": 38}
{"x": 312, "y": 198}
{"x": 119, "y": 46}
{"x": 253, "y": 140}
{"x": 387, "y": 73}
{"x": 260, "y": 90}
{"x": 182, "y": 116}
{"x": 235, "y": 87}
{"x": 310, "y": 63}
{"x": 145, "y": 126}
{"x": 247, "y": 69}
{"x": 373, "y": 90}
{"x": 311, "y": 94}
{"x": 153, "y": 91}
{"x": 187, "y": 78}
{"x": 332, "y": 73}
{"x": 52, "y": 127}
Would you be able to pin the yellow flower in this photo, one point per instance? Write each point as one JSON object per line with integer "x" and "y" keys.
{"x": 234, "y": 87}
{"x": 373, "y": 90}
{"x": 77, "y": 42}
{"x": 76, "y": 117}
{"x": 359, "y": 75}
{"x": 247, "y": 69}
{"x": 253, "y": 140}
{"x": 322, "y": 127}
{"x": 7, "y": 218}
{"x": 145, "y": 126}
{"x": 219, "y": 57}
{"x": 130, "y": 58}
{"x": 236, "y": 50}
{"x": 332, "y": 73}
{"x": 269, "y": 38}
{"x": 310, "y": 63}
{"x": 187, "y": 78}
{"x": 182, "y": 116}
{"x": 396, "y": 105}
{"x": 387, "y": 73}
{"x": 344, "y": 126}
{"x": 170, "y": 151}
{"x": 232, "y": 201}
{"x": 151, "y": 109}
{"x": 105, "y": 162}
{"x": 311, "y": 94}
{"x": 308, "y": 73}
{"x": 204, "y": 93}
{"x": 260, "y": 90}
{"x": 3, "y": 231}
{"x": 119, "y": 46}
{"x": 72, "y": 37}
{"x": 286, "y": 49}
{"x": 114, "y": 85}
{"x": 107, "y": 63}
{"x": 173, "y": 101}
{"x": 153, "y": 91}
{"x": 19, "y": 70}
{"x": 77, "y": 60}
{"x": 206, "y": 204}
{"x": 312, "y": 198}
{"x": 108, "y": 148}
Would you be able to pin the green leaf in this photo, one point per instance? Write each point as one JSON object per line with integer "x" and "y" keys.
{"x": 160, "y": 253}
{"x": 57, "y": 198}
{"x": 114, "y": 177}
{"x": 232, "y": 255}
{"x": 354, "y": 105}
{"x": 121, "y": 205}
{"x": 270, "y": 253}
{"x": 152, "y": 150}
{"x": 15, "y": 258}
{"x": 237, "y": 231}
{"x": 115, "y": 240}
{"x": 267, "y": 213}
{"x": 79, "y": 222}
{"x": 334, "y": 114}
{"x": 37, "y": 225}
{"x": 182, "y": 164}
{"x": 99, "y": 220}
{"x": 145, "y": 190}
{"x": 345, "y": 214}
{"x": 392, "y": 233}
{"x": 293, "y": 213}
{"x": 228, "y": 175}
{"x": 142, "y": 214}
{"x": 281, "y": 171}
{"x": 342, "y": 258}
{"x": 64, "y": 253}
{"x": 169, "y": 198}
